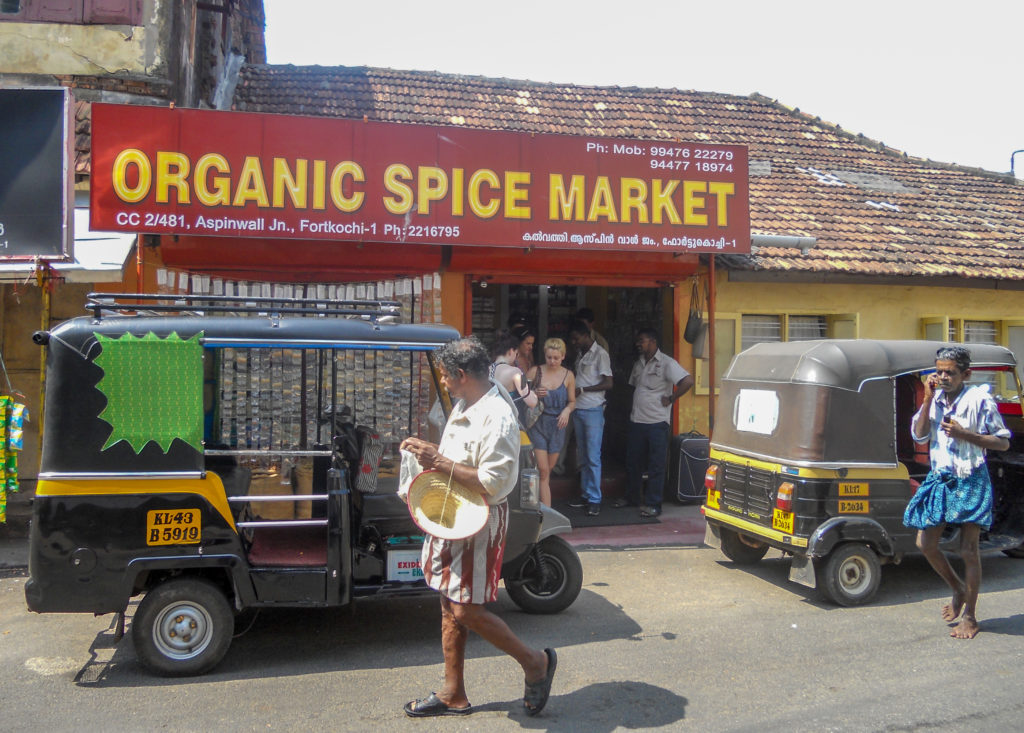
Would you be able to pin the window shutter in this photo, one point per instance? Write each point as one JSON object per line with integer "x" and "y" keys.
{"x": 54, "y": 11}
{"x": 114, "y": 12}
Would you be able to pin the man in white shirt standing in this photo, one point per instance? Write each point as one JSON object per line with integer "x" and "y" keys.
{"x": 593, "y": 379}
{"x": 658, "y": 381}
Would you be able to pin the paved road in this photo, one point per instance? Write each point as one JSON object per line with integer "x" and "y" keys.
{"x": 673, "y": 639}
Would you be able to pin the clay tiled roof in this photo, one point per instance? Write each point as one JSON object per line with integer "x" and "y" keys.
{"x": 873, "y": 210}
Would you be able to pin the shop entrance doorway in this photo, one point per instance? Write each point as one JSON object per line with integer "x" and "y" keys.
{"x": 618, "y": 312}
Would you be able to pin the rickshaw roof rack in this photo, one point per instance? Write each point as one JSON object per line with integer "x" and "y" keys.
{"x": 150, "y": 304}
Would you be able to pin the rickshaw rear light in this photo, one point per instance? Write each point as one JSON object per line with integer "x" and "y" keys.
{"x": 711, "y": 477}
{"x": 784, "y": 499}
{"x": 529, "y": 481}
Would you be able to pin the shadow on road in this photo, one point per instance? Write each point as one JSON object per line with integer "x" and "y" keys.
{"x": 911, "y": 581}
{"x": 372, "y": 634}
{"x": 600, "y": 708}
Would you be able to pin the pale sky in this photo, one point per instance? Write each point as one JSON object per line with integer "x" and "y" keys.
{"x": 933, "y": 78}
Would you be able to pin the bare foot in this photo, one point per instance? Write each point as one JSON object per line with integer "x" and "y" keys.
{"x": 966, "y": 629}
{"x": 951, "y": 611}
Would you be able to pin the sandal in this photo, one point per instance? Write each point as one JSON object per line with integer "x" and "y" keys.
{"x": 432, "y": 707}
{"x": 535, "y": 697}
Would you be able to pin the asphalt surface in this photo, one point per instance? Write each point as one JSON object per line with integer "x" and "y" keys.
{"x": 661, "y": 638}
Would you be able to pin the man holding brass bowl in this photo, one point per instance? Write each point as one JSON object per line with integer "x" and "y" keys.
{"x": 479, "y": 451}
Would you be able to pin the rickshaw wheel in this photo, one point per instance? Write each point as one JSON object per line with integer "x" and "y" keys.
{"x": 851, "y": 574}
{"x": 552, "y": 589}
{"x": 182, "y": 627}
{"x": 740, "y": 552}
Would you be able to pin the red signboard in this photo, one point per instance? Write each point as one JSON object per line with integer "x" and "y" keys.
{"x": 187, "y": 171}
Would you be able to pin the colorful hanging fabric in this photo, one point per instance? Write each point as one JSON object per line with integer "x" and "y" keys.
{"x": 13, "y": 415}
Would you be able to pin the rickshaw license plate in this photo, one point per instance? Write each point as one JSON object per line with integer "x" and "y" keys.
{"x": 176, "y": 527}
{"x": 782, "y": 521}
{"x": 857, "y": 506}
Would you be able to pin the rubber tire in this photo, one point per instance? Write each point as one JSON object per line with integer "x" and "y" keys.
{"x": 191, "y": 598}
{"x": 850, "y": 574}
{"x": 563, "y": 561}
{"x": 739, "y": 552}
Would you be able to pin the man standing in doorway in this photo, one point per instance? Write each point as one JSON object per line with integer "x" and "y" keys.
{"x": 962, "y": 423}
{"x": 593, "y": 379}
{"x": 587, "y": 316}
{"x": 658, "y": 381}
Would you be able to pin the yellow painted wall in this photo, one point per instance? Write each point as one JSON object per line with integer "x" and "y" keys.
{"x": 883, "y": 312}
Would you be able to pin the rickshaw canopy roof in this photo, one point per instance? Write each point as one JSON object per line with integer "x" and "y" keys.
{"x": 256, "y": 331}
{"x": 847, "y": 364}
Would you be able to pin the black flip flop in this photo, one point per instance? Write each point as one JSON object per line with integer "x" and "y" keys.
{"x": 535, "y": 697}
{"x": 432, "y": 707}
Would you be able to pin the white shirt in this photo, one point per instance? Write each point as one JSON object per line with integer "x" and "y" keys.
{"x": 592, "y": 367}
{"x": 653, "y": 380}
{"x": 485, "y": 435}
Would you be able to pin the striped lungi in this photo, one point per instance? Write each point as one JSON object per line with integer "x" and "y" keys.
{"x": 468, "y": 571}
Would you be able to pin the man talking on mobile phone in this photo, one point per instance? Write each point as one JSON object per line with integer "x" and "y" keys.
{"x": 961, "y": 423}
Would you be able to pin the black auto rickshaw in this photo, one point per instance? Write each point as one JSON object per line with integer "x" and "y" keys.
{"x": 812, "y": 455}
{"x": 218, "y": 454}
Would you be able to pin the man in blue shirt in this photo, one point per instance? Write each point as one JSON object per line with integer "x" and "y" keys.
{"x": 962, "y": 423}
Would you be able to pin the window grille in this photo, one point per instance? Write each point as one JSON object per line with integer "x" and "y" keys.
{"x": 807, "y": 328}
{"x": 759, "y": 329}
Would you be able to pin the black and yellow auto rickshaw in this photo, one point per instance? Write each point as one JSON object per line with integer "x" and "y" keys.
{"x": 217, "y": 454}
{"x": 812, "y": 455}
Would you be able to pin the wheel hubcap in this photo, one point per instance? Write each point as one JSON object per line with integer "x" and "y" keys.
{"x": 854, "y": 575}
{"x": 182, "y": 631}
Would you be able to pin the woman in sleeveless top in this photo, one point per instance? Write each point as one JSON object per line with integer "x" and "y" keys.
{"x": 503, "y": 372}
{"x": 556, "y": 386}
{"x": 524, "y": 348}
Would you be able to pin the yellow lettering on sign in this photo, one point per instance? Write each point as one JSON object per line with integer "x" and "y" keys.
{"x": 348, "y": 204}
{"x": 662, "y": 204}
{"x": 476, "y": 204}
{"x": 721, "y": 191}
{"x": 319, "y": 192}
{"x": 124, "y": 160}
{"x": 285, "y": 180}
{"x": 396, "y": 176}
{"x": 692, "y": 202}
{"x": 251, "y": 186}
{"x": 602, "y": 203}
{"x": 431, "y": 185}
{"x": 171, "y": 171}
{"x": 634, "y": 198}
{"x": 220, "y": 192}
{"x": 565, "y": 204}
{"x": 516, "y": 194}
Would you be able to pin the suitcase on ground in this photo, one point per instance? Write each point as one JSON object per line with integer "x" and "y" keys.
{"x": 687, "y": 463}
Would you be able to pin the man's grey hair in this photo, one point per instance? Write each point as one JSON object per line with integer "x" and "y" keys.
{"x": 959, "y": 355}
{"x": 467, "y": 354}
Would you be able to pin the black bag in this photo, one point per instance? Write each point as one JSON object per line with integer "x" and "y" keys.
{"x": 532, "y": 414}
{"x": 696, "y": 317}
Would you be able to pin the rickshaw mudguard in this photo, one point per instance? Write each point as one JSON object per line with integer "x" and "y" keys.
{"x": 836, "y": 530}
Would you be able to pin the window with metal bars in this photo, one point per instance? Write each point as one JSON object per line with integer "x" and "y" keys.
{"x": 758, "y": 329}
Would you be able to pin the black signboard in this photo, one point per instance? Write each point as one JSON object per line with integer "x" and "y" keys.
{"x": 35, "y": 179}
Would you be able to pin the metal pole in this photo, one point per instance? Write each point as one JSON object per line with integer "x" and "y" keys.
{"x": 711, "y": 343}
{"x": 1012, "y": 156}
